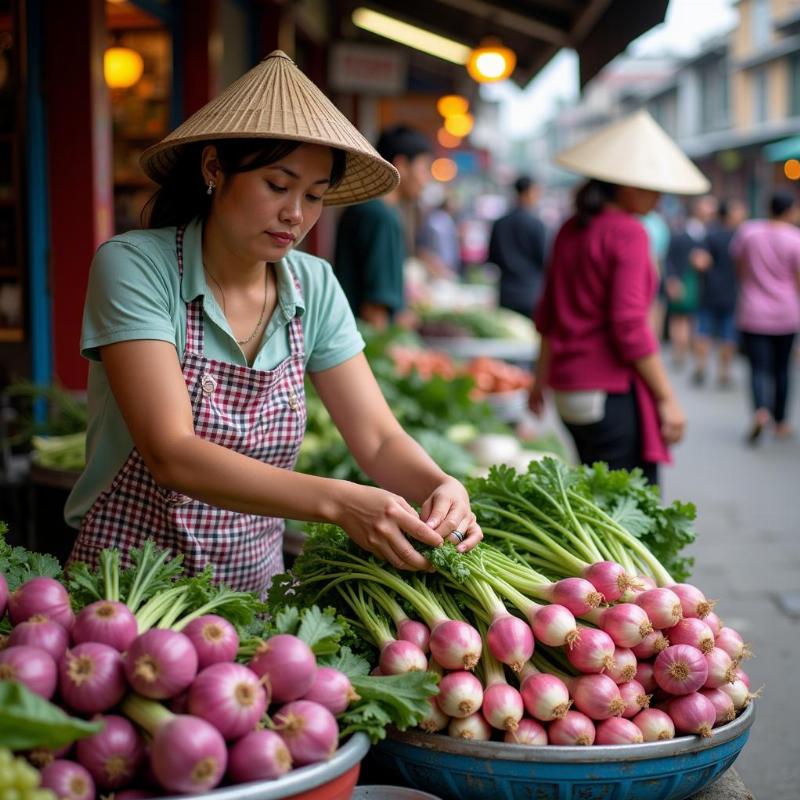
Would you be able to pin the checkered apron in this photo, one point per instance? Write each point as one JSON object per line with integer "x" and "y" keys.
{"x": 261, "y": 414}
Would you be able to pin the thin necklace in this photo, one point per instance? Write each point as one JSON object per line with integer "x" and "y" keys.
{"x": 225, "y": 310}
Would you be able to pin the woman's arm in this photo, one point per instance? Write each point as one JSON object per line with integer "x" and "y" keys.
{"x": 388, "y": 454}
{"x": 148, "y": 385}
{"x": 540, "y": 377}
{"x": 670, "y": 413}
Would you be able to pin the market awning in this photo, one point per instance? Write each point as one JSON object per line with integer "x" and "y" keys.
{"x": 598, "y": 30}
{"x": 783, "y": 149}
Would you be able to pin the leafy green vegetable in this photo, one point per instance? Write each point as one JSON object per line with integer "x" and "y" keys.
{"x": 27, "y": 721}
{"x": 346, "y": 661}
{"x": 19, "y": 565}
{"x": 637, "y": 506}
{"x": 399, "y": 700}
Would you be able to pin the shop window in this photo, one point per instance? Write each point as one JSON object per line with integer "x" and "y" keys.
{"x": 140, "y": 112}
{"x": 760, "y": 94}
{"x": 760, "y": 23}
{"x": 794, "y": 85}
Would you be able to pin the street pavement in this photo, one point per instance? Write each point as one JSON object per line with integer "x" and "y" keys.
{"x": 748, "y": 558}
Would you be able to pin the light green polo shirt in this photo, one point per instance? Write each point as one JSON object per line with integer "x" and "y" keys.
{"x": 135, "y": 292}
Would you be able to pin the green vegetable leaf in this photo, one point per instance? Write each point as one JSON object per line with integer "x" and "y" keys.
{"x": 28, "y": 721}
{"x": 320, "y": 630}
{"x": 19, "y": 565}
{"x": 630, "y": 516}
{"x": 400, "y": 700}
{"x": 346, "y": 661}
{"x": 287, "y": 620}
{"x": 84, "y": 586}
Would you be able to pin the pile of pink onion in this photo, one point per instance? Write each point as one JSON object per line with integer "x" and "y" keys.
{"x": 653, "y": 663}
{"x": 201, "y": 712}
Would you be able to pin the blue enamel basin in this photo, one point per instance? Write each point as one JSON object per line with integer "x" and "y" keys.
{"x": 455, "y": 769}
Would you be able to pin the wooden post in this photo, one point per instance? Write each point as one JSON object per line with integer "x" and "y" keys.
{"x": 78, "y": 114}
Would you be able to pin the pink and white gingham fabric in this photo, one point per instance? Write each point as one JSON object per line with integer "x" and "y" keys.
{"x": 261, "y": 414}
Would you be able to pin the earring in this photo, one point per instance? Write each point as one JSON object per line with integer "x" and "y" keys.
{"x": 211, "y": 187}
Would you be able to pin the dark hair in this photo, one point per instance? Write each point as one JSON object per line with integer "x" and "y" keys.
{"x": 523, "y": 183}
{"x": 183, "y": 195}
{"x": 781, "y": 202}
{"x": 401, "y": 140}
{"x": 592, "y": 198}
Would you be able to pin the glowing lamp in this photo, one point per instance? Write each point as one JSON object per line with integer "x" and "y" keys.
{"x": 791, "y": 169}
{"x": 446, "y": 139}
{"x": 122, "y": 67}
{"x": 444, "y": 169}
{"x": 459, "y": 124}
{"x": 491, "y": 62}
{"x": 452, "y": 104}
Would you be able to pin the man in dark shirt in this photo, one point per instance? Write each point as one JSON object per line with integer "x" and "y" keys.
{"x": 370, "y": 242}
{"x": 717, "y": 302}
{"x": 517, "y": 246}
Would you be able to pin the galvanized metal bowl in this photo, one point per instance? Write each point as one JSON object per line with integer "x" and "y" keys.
{"x": 455, "y": 769}
{"x": 331, "y": 780}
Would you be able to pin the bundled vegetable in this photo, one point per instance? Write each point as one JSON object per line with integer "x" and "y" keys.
{"x": 562, "y": 626}
{"x": 180, "y": 699}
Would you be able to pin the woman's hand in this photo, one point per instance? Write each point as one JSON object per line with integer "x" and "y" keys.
{"x": 536, "y": 399}
{"x": 447, "y": 510}
{"x": 379, "y": 521}
{"x": 673, "y": 420}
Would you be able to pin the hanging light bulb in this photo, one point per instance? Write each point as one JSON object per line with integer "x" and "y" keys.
{"x": 459, "y": 124}
{"x": 451, "y": 104}
{"x": 122, "y": 67}
{"x": 491, "y": 62}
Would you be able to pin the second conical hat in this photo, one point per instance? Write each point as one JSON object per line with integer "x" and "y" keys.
{"x": 635, "y": 151}
{"x": 275, "y": 100}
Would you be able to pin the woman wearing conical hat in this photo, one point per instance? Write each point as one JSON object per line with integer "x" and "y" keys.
{"x": 599, "y": 355}
{"x": 201, "y": 329}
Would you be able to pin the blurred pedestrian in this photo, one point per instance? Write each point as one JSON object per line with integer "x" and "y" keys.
{"x": 517, "y": 246}
{"x": 681, "y": 281}
{"x": 370, "y": 240}
{"x": 658, "y": 233}
{"x": 598, "y": 352}
{"x": 767, "y": 254}
{"x": 438, "y": 245}
{"x": 716, "y": 312}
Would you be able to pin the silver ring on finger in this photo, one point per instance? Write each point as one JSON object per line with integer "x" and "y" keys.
{"x": 460, "y": 536}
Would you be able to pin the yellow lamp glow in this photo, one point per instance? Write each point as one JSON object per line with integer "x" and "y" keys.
{"x": 491, "y": 62}
{"x": 444, "y": 169}
{"x": 791, "y": 169}
{"x": 122, "y": 67}
{"x": 446, "y": 139}
{"x": 459, "y": 124}
{"x": 452, "y": 104}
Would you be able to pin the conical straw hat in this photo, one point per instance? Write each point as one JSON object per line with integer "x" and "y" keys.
{"x": 635, "y": 151}
{"x": 275, "y": 100}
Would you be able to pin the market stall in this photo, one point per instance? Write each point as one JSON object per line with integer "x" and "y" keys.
{"x": 566, "y": 655}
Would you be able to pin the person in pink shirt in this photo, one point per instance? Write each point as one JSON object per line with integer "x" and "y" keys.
{"x": 767, "y": 253}
{"x": 598, "y": 352}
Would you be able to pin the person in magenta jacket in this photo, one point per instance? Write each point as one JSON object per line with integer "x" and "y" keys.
{"x": 599, "y": 354}
{"x": 767, "y": 252}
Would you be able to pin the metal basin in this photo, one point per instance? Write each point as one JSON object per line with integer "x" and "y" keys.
{"x": 331, "y": 780}
{"x": 456, "y": 769}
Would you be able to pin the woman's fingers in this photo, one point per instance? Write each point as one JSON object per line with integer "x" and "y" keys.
{"x": 472, "y": 534}
{"x": 410, "y": 523}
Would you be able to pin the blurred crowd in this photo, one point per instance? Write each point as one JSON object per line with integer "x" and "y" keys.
{"x": 724, "y": 284}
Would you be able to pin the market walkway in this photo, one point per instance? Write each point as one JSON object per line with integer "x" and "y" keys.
{"x": 748, "y": 557}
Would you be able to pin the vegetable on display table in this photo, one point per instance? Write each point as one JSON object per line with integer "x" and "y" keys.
{"x": 143, "y": 678}
{"x": 569, "y": 639}
{"x": 571, "y": 625}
